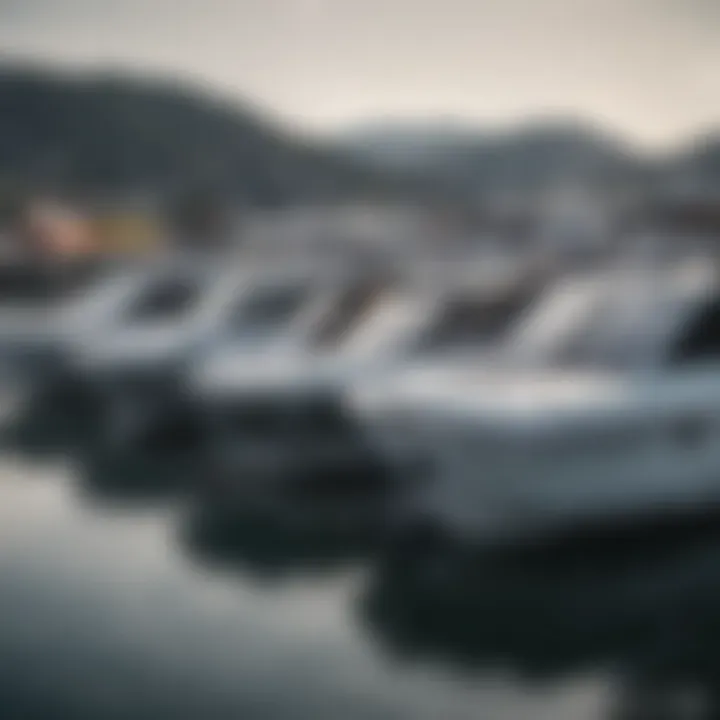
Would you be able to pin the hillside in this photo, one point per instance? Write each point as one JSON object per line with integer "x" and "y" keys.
{"x": 536, "y": 155}
{"x": 117, "y": 135}
{"x": 113, "y": 136}
{"x": 696, "y": 169}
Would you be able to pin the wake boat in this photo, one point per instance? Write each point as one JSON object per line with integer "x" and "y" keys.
{"x": 90, "y": 315}
{"x": 606, "y": 406}
{"x": 47, "y": 312}
{"x": 64, "y": 390}
{"x": 281, "y": 431}
{"x": 139, "y": 367}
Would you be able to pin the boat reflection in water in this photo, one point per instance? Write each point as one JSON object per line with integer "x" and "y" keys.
{"x": 642, "y": 607}
{"x": 269, "y": 545}
{"x": 122, "y": 615}
{"x": 539, "y": 631}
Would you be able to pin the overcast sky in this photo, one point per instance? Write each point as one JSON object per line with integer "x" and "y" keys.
{"x": 650, "y": 68}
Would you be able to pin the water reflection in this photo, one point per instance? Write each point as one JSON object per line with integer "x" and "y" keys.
{"x": 641, "y": 605}
{"x": 161, "y": 462}
{"x": 166, "y": 460}
{"x": 267, "y": 546}
{"x": 133, "y": 478}
{"x": 51, "y": 421}
{"x": 101, "y": 617}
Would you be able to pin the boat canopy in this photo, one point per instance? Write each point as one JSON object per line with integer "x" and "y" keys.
{"x": 625, "y": 319}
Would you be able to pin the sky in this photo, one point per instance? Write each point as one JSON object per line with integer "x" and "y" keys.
{"x": 647, "y": 68}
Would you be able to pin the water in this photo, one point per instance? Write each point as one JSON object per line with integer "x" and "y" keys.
{"x": 115, "y": 605}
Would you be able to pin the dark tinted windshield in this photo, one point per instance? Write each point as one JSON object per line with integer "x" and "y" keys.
{"x": 472, "y": 319}
{"x": 166, "y": 299}
{"x": 609, "y": 322}
{"x": 270, "y": 307}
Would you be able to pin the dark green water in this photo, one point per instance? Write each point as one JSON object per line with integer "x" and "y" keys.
{"x": 104, "y": 613}
{"x": 111, "y": 609}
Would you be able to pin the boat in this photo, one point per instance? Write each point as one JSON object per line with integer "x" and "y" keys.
{"x": 282, "y": 435}
{"x": 43, "y": 310}
{"x": 140, "y": 365}
{"x": 604, "y": 404}
{"x": 637, "y": 606}
{"x": 61, "y": 383}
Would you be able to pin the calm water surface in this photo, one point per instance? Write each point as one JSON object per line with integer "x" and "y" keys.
{"x": 110, "y": 609}
{"x": 104, "y": 613}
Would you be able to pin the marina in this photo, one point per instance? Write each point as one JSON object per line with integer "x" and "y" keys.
{"x": 359, "y": 360}
{"x": 258, "y": 538}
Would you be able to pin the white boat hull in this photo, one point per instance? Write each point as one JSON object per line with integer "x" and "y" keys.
{"x": 496, "y": 476}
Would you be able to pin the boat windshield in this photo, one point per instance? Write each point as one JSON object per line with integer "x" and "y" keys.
{"x": 166, "y": 299}
{"x": 269, "y": 308}
{"x": 474, "y": 319}
{"x": 619, "y": 322}
{"x": 385, "y": 318}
